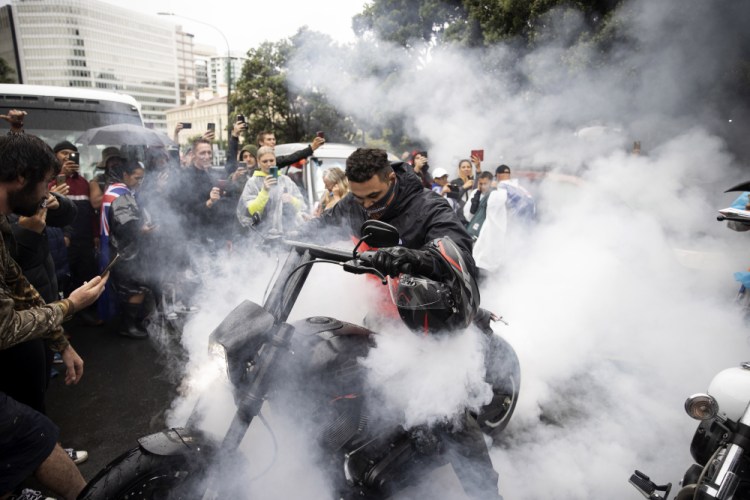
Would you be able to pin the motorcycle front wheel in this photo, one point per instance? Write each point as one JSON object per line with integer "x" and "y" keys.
{"x": 138, "y": 474}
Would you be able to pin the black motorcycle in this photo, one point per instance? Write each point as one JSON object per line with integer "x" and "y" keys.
{"x": 365, "y": 460}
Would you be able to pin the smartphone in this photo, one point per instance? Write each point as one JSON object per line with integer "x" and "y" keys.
{"x": 187, "y": 125}
{"x": 240, "y": 118}
{"x": 479, "y": 153}
{"x": 274, "y": 172}
{"x": 211, "y": 127}
{"x": 321, "y": 134}
{"x": 60, "y": 180}
{"x": 174, "y": 156}
{"x": 111, "y": 263}
{"x": 242, "y": 164}
{"x": 75, "y": 157}
{"x": 221, "y": 184}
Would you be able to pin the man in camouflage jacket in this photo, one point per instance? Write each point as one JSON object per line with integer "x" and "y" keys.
{"x": 28, "y": 440}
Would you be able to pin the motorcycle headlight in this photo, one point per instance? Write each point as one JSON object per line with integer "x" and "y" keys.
{"x": 701, "y": 407}
{"x": 218, "y": 353}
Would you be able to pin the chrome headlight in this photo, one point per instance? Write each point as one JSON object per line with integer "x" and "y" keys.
{"x": 218, "y": 354}
{"x": 701, "y": 407}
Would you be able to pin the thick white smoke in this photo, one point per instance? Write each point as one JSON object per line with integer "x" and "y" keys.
{"x": 619, "y": 300}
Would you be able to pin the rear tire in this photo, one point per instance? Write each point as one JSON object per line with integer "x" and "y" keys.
{"x": 138, "y": 474}
{"x": 504, "y": 375}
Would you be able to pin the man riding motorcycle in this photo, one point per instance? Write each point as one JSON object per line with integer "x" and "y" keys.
{"x": 434, "y": 244}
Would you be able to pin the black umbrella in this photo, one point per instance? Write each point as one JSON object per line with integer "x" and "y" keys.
{"x": 744, "y": 186}
{"x": 124, "y": 133}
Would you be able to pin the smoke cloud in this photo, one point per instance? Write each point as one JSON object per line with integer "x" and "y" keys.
{"x": 619, "y": 300}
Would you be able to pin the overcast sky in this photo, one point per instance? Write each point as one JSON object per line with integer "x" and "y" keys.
{"x": 247, "y": 24}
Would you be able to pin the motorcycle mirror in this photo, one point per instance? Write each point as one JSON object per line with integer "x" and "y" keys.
{"x": 378, "y": 234}
{"x": 744, "y": 186}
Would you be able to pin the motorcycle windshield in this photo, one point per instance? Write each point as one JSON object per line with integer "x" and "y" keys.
{"x": 409, "y": 292}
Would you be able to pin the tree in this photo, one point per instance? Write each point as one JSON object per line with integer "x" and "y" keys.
{"x": 467, "y": 22}
{"x": 260, "y": 93}
{"x": 407, "y": 21}
{"x": 270, "y": 102}
{"x": 6, "y": 72}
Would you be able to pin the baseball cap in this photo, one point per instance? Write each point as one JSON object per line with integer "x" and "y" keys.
{"x": 502, "y": 169}
{"x": 64, "y": 145}
{"x": 439, "y": 172}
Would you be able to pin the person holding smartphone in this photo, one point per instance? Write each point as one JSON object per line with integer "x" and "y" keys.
{"x": 465, "y": 183}
{"x": 271, "y": 201}
{"x": 204, "y": 212}
{"x": 80, "y": 238}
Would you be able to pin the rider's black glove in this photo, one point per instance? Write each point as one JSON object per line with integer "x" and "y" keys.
{"x": 393, "y": 261}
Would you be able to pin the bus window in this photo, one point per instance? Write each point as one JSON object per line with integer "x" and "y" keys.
{"x": 62, "y": 114}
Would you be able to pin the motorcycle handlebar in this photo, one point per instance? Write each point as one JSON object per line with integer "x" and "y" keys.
{"x": 722, "y": 218}
{"x": 321, "y": 252}
{"x": 359, "y": 264}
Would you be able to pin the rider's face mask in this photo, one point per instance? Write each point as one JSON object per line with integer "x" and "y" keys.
{"x": 376, "y": 210}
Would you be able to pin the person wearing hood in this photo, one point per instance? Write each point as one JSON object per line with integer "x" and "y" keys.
{"x": 245, "y": 155}
{"x": 270, "y": 201}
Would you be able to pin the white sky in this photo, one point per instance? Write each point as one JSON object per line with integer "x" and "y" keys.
{"x": 247, "y": 24}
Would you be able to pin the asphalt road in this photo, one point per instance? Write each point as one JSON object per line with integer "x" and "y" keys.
{"x": 124, "y": 394}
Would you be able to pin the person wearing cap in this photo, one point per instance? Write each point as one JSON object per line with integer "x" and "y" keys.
{"x": 79, "y": 236}
{"x": 502, "y": 173}
{"x": 111, "y": 158}
{"x": 441, "y": 186}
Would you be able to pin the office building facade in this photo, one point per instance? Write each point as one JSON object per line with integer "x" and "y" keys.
{"x": 91, "y": 44}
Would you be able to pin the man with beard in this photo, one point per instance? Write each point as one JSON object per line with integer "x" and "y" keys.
{"x": 433, "y": 244}
{"x": 28, "y": 440}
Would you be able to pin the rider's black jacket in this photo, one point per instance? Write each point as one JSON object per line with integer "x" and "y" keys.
{"x": 419, "y": 214}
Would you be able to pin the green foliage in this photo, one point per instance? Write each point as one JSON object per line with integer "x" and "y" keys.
{"x": 406, "y": 21}
{"x": 6, "y": 72}
{"x": 467, "y": 22}
{"x": 264, "y": 95}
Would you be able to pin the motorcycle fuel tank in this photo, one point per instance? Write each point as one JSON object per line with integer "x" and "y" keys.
{"x": 731, "y": 389}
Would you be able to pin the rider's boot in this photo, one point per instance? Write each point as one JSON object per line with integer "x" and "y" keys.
{"x": 131, "y": 324}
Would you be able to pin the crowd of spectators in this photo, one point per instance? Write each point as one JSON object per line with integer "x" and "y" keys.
{"x": 150, "y": 211}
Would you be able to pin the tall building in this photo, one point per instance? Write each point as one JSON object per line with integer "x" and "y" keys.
{"x": 203, "y": 54}
{"x": 91, "y": 44}
{"x": 217, "y": 71}
{"x": 185, "y": 63}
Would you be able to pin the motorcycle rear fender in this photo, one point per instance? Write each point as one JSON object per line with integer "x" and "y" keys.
{"x": 175, "y": 441}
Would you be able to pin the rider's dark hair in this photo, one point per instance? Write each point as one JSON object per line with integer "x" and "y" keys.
{"x": 27, "y": 156}
{"x": 486, "y": 175}
{"x": 364, "y": 163}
